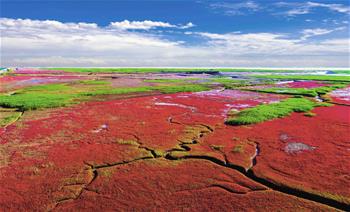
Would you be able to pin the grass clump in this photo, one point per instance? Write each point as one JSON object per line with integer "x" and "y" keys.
{"x": 263, "y": 113}
{"x": 127, "y": 142}
{"x": 238, "y": 149}
{"x": 216, "y": 147}
{"x": 323, "y": 104}
{"x": 9, "y": 119}
{"x": 309, "y": 114}
{"x": 158, "y": 153}
{"x": 107, "y": 173}
{"x": 291, "y": 91}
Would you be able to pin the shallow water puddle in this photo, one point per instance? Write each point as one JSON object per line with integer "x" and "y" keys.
{"x": 193, "y": 109}
{"x": 297, "y": 147}
{"x": 342, "y": 94}
{"x": 102, "y": 127}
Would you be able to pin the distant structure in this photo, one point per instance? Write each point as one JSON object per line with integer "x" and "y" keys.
{"x": 330, "y": 72}
{"x": 3, "y": 70}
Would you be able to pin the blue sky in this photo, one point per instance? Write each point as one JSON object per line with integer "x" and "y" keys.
{"x": 175, "y": 33}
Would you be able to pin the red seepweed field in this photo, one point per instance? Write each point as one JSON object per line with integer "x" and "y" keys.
{"x": 172, "y": 141}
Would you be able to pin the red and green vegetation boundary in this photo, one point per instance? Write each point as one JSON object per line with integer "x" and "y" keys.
{"x": 311, "y": 92}
{"x": 267, "y": 112}
{"x": 58, "y": 95}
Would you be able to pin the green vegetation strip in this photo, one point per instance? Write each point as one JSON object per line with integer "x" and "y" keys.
{"x": 341, "y": 71}
{"x": 306, "y": 77}
{"x": 230, "y": 83}
{"x": 43, "y": 96}
{"x": 59, "y": 95}
{"x": 266, "y": 112}
{"x": 155, "y": 70}
{"x": 312, "y": 92}
{"x": 225, "y": 80}
{"x": 128, "y": 70}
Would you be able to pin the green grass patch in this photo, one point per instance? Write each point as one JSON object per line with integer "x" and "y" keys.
{"x": 266, "y": 112}
{"x": 312, "y": 92}
{"x": 291, "y": 91}
{"x": 326, "y": 89}
{"x": 46, "y": 88}
{"x": 59, "y": 95}
{"x": 41, "y": 96}
{"x": 32, "y": 101}
{"x": 306, "y": 77}
{"x": 228, "y": 83}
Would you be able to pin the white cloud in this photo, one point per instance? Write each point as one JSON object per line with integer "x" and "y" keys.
{"x": 139, "y": 24}
{"x": 146, "y": 25}
{"x": 307, "y": 7}
{"x": 8, "y": 24}
{"x": 236, "y": 8}
{"x": 186, "y": 26}
{"x": 334, "y": 7}
{"x": 298, "y": 11}
{"x": 307, "y": 33}
{"x": 52, "y": 43}
{"x": 314, "y": 32}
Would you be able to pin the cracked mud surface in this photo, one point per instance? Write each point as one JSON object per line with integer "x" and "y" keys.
{"x": 174, "y": 152}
